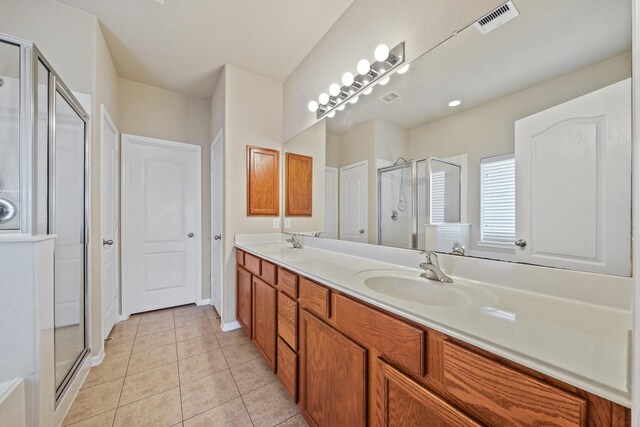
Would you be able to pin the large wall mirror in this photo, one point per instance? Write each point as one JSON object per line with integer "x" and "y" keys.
{"x": 515, "y": 144}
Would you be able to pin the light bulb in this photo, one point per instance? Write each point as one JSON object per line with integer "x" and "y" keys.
{"x": 403, "y": 69}
{"x": 363, "y": 67}
{"x": 368, "y": 90}
{"x": 353, "y": 100}
{"x": 313, "y": 106}
{"x": 323, "y": 98}
{"x": 347, "y": 79}
{"x": 384, "y": 81}
{"x": 340, "y": 108}
{"x": 338, "y": 100}
{"x": 381, "y": 53}
{"x": 334, "y": 89}
{"x": 455, "y": 103}
{"x": 331, "y": 114}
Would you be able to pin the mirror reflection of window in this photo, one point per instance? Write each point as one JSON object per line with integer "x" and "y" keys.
{"x": 498, "y": 200}
{"x": 444, "y": 192}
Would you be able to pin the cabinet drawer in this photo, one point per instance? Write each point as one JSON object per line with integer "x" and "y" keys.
{"x": 314, "y": 297}
{"x": 288, "y": 282}
{"x": 288, "y": 369}
{"x": 252, "y": 263}
{"x": 400, "y": 342}
{"x": 239, "y": 256}
{"x": 499, "y": 395}
{"x": 288, "y": 320}
{"x": 268, "y": 272}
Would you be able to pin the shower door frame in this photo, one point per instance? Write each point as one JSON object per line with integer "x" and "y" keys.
{"x": 413, "y": 164}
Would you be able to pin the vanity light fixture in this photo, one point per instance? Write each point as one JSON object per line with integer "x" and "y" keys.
{"x": 387, "y": 61}
{"x": 455, "y": 103}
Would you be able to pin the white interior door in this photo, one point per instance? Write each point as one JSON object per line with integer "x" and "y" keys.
{"x": 217, "y": 209}
{"x": 573, "y": 183}
{"x": 331, "y": 203}
{"x": 161, "y": 223}
{"x": 109, "y": 218}
{"x": 353, "y": 203}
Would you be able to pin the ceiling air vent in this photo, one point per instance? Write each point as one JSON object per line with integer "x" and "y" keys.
{"x": 497, "y": 17}
{"x": 389, "y": 97}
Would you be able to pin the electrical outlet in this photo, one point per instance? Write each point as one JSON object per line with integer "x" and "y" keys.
{"x": 287, "y": 223}
{"x": 276, "y": 222}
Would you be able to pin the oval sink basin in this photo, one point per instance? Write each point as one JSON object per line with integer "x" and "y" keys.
{"x": 418, "y": 290}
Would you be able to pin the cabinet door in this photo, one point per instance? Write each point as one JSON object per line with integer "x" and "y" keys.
{"x": 264, "y": 320}
{"x": 334, "y": 370}
{"x": 243, "y": 300}
{"x": 299, "y": 198}
{"x": 403, "y": 402}
{"x": 263, "y": 181}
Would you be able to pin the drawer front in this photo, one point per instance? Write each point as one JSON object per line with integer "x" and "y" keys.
{"x": 288, "y": 320}
{"x": 239, "y": 256}
{"x": 314, "y": 297}
{"x": 288, "y": 282}
{"x": 268, "y": 272}
{"x": 398, "y": 341}
{"x": 288, "y": 369}
{"x": 499, "y": 395}
{"x": 252, "y": 263}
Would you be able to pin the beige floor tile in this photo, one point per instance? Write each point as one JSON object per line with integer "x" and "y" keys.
{"x": 102, "y": 420}
{"x": 118, "y": 348}
{"x": 192, "y": 319}
{"x": 252, "y": 375}
{"x": 159, "y": 410}
{"x": 187, "y": 310}
{"x": 230, "y": 414}
{"x": 110, "y": 369}
{"x": 93, "y": 401}
{"x": 134, "y": 319}
{"x": 154, "y": 316}
{"x": 240, "y": 353}
{"x": 295, "y": 421}
{"x": 212, "y": 314}
{"x": 155, "y": 340}
{"x": 147, "y": 383}
{"x": 195, "y": 346}
{"x": 153, "y": 327}
{"x": 236, "y": 336}
{"x": 269, "y": 405}
{"x": 152, "y": 358}
{"x": 201, "y": 365}
{"x": 206, "y": 393}
{"x": 215, "y": 324}
{"x": 123, "y": 332}
{"x": 193, "y": 332}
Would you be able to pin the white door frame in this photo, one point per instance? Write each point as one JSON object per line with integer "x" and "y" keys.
{"x": 124, "y": 223}
{"x": 364, "y": 163}
{"x": 219, "y": 139}
{"x": 104, "y": 116}
{"x": 335, "y": 214}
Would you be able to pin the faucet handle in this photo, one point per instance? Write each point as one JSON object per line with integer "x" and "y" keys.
{"x": 432, "y": 257}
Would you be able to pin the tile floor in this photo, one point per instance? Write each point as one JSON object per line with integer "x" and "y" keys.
{"x": 175, "y": 367}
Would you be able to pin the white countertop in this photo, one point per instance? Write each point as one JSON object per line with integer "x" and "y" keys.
{"x": 583, "y": 344}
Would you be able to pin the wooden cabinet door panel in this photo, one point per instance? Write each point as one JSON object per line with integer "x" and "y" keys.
{"x": 402, "y": 402}
{"x": 335, "y": 376}
{"x": 299, "y": 191}
{"x": 264, "y": 320}
{"x": 288, "y": 369}
{"x": 243, "y": 299}
{"x": 288, "y": 320}
{"x": 263, "y": 181}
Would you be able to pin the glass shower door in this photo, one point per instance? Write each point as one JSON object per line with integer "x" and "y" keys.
{"x": 396, "y": 217}
{"x": 67, "y": 221}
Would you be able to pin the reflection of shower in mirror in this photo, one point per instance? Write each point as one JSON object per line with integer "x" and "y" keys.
{"x": 402, "y": 199}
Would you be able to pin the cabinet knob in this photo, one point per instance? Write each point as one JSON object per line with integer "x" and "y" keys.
{"x": 521, "y": 243}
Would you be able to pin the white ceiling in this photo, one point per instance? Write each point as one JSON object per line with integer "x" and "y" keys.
{"x": 550, "y": 38}
{"x": 183, "y": 44}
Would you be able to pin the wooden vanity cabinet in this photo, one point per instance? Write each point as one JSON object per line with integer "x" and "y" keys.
{"x": 264, "y": 320}
{"x": 244, "y": 299}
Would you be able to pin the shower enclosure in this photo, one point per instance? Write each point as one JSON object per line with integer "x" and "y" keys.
{"x": 43, "y": 187}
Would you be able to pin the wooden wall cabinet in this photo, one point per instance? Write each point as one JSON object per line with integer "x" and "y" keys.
{"x": 263, "y": 181}
{"x": 299, "y": 185}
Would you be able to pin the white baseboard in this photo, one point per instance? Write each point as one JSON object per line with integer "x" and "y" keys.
{"x": 204, "y": 301}
{"x": 98, "y": 358}
{"x": 122, "y": 318}
{"x": 230, "y": 326}
{"x": 72, "y": 392}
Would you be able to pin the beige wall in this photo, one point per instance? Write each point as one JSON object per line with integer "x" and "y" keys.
{"x": 253, "y": 116}
{"x": 391, "y": 141}
{"x": 488, "y": 130}
{"x": 158, "y": 113}
{"x": 332, "y": 151}
{"x": 422, "y": 24}
{"x": 311, "y": 142}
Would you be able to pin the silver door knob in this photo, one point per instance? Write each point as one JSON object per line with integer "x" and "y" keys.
{"x": 190, "y": 234}
{"x": 217, "y": 237}
{"x": 521, "y": 243}
{"x": 361, "y": 231}
{"x": 107, "y": 242}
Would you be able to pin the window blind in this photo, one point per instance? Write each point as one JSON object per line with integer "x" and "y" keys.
{"x": 498, "y": 199}
{"x": 437, "y": 197}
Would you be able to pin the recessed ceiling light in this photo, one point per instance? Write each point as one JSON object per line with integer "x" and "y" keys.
{"x": 455, "y": 103}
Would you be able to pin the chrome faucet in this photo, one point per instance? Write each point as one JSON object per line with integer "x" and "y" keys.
{"x": 294, "y": 239}
{"x": 457, "y": 249}
{"x": 432, "y": 268}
